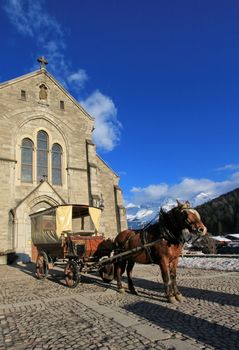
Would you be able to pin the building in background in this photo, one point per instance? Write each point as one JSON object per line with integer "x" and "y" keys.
{"x": 47, "y": 158}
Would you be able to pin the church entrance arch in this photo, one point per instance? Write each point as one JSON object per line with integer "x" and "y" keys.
{"x": 42, "y": 198}
{"x": 41, "y": 204}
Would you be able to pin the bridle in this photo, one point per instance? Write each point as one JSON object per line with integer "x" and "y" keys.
{"x": 193, "y": 228}
{"x": 170, "y": 224}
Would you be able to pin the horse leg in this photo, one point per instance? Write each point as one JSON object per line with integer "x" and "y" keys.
{"x": 120, "y": 268}
{"x": 129, "y": 270}
{"x": 173, "y": 275}
{"x": 164, "y": 266}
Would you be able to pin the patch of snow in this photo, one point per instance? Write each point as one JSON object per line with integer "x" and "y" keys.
{"x": 221, "y": 264}
{"x": 140, "y": 214}
{"x": 132, "y": 205}
{"x": 201, "y": 198}
{"x": 221, "y": 239}
{"x": 233, "y": 235}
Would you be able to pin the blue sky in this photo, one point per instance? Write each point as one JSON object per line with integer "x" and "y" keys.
{"x": 161, "y": 79}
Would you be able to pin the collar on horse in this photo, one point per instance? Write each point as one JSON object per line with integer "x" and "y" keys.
{"x": 168, "y": 227}
{"x": 144, "y": 238}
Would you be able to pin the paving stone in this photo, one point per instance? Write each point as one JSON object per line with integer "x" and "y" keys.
{"x": 48, "y": 315}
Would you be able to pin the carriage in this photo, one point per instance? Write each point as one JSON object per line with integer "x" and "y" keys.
{"x": 68, "y": 235}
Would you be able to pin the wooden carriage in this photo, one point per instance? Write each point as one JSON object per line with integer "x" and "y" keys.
{"x": 66, "y": 234}
{"x": 69, "y": 235}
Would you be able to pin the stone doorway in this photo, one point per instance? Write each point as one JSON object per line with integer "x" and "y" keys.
{"x": 42, "y": 198}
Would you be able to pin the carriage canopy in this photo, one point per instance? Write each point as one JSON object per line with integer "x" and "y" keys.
{"x": 48, "y": 226}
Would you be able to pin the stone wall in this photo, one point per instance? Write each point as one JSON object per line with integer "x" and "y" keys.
{"x": 86, "y": 179}
{"x": 113, "y": 221}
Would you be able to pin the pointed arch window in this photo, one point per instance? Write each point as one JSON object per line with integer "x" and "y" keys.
{"x": 56, "y": 164}
{"x": 42, "y": 155}
{"x": 27, "y": 160}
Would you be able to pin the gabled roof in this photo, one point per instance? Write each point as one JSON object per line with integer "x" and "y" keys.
{"x": 41, "y": 184}
{"x": 107, "y": 165}
{"x": 57, "y": 83}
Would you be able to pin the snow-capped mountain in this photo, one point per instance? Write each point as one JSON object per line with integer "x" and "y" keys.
{"x": 139, "y": 215}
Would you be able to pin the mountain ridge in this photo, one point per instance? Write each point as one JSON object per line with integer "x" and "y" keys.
{"x": 220, "y": 214}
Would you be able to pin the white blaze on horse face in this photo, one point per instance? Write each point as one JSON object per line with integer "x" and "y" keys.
{"x": 198, "y": 222}
{"x": 193, "y": 211}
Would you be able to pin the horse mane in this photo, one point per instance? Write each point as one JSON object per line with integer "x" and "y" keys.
{"x": 168, "y": 223}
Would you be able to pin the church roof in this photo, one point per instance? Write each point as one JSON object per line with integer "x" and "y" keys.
{"x": 43, "y": 71}
{"x": 107, "y": 165}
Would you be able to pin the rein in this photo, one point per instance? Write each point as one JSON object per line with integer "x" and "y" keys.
{"x": 149, "y": 223}
{"x": 165, "y": 232}
{"x": 167, "y": 226}
{"x": 143, "y": 237}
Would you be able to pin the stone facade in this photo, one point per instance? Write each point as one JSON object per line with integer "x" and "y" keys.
{"x": 37, "y": 102}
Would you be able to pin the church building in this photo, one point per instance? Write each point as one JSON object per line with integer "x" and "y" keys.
{"x": 48, "y": 158}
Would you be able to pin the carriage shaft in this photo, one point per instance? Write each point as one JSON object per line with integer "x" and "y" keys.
{"x": 121, "y": 256}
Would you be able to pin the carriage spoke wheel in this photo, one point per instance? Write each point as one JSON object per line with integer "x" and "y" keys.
{"x": 72, "y": 276}
{"x": 42, "y": 265}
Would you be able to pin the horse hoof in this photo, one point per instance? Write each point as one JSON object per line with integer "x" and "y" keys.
{"x": 172, "y": 300}
{"x": 121, "y": 290}
{"x": 179, "y": 298}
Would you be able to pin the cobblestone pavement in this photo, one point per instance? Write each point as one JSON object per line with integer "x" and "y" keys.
{"x": 45, "y": 314}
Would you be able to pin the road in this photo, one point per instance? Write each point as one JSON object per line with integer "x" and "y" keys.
{"x": 45, "y": 314}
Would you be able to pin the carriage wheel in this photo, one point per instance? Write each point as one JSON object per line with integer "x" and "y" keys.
{"x": 107, "y": 273}
{"x": 72, "y": 276}
{"x": 42, "y": 265}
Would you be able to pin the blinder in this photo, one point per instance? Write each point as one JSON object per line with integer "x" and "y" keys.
{"x": 195, "y": 226}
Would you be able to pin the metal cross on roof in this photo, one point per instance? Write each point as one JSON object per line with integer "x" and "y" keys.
{"x": 43, "y": 62}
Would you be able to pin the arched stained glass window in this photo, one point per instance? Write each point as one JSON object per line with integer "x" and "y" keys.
{"x": 56, "y": 164}
{"x": 42, "y": 156}
{"x": 27, "y": 156}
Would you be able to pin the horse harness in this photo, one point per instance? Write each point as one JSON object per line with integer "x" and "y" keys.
{"x": 167, "y": 225}
{"x": 144, "y": 241}
{"x": 143, "y": 238}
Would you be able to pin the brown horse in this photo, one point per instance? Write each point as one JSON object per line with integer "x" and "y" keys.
{"x": 171, "y": 232}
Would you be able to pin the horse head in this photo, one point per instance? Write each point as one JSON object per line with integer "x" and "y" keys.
{"x": 190, "y": 220}
{"x": 181, "y": 222}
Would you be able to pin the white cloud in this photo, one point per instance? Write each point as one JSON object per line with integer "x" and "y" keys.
{"x": 121, "y": 172}
{"x": 78, "y": 78}
{"x": 19, "y": 15}
{"x": 195, "y": 190}
{"x": 31, "y": 19}
{"x": 151, "y": 192}
{"x": 131, "y": 205}
{"x": 226, "y": 167}
{"x": 107, "y": 127}
{"x": 191, "y": 187}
